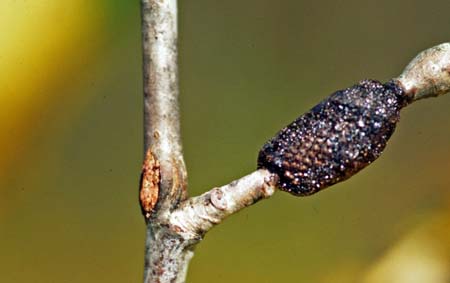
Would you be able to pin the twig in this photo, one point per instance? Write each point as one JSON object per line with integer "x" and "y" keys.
{"x": 197, "y": 215}
{"x": 428, "y": 74}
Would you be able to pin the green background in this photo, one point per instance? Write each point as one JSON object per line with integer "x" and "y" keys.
{"x": 247, "y": 68}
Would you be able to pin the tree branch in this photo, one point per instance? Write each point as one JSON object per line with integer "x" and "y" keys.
{"x": 170, "y": 242}
{"x": 198, "y": 215}
{"x": 161, "y": 115}
{"x": 428, "y": 74}
{"x": 175, "y": 225}
{"x": 164, "y": 178}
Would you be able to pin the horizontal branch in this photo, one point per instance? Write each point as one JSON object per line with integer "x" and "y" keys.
{"x": 428, "y": 74}
{"x": 199, "y": 214}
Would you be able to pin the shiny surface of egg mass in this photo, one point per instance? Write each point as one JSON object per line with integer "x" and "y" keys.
{"x": 335, "y": 139}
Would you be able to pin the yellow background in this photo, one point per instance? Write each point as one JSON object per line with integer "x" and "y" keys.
{"x": 71, "y": 136}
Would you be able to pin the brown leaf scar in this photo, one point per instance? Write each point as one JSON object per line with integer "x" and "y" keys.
{"x": 149, "y": 184}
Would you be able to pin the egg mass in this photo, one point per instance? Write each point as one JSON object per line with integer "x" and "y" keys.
{"x": 335, "y": 139}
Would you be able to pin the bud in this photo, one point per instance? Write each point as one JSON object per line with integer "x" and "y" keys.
{"x": 335, "y": 139}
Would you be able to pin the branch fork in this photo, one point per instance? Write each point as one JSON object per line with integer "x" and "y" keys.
{"x": 176, "y": 223}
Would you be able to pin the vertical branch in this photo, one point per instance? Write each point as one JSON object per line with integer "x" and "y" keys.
{"x": 163, "y": 181}
{"x": 161, "y": 115}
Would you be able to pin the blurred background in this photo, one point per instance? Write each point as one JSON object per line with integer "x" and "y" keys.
{"x": 71, "y": 140}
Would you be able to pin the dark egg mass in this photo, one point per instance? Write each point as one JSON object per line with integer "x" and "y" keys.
{"x": 335, "y": 139}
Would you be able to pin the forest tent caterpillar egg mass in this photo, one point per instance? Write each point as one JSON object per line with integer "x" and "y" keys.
{"x": 335, "y": 139}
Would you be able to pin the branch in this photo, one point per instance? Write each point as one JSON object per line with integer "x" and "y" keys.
{"x": 428, "y": 74}
{"x": 175, "y": 225}
{"x": 161, "y": 115}
{"x": 197, "y": 215}
{"x": 169, "y": 245}
{"x": 163, "y": 179}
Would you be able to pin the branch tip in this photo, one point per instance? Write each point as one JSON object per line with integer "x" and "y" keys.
{"x": 428, "y": 74}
